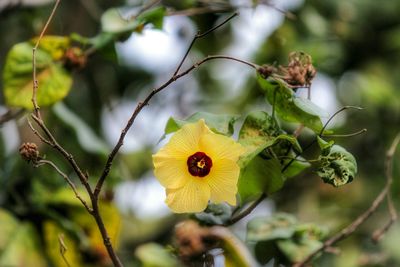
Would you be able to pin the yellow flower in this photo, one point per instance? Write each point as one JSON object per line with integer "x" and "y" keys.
{"x": 196, "y": 166}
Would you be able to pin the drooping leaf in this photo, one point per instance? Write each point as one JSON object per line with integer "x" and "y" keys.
{"x": 221, "y": 124}
{"x": 279, "y": 226}
{"x": 215, "y": 214}
{"x": 53, "y": 80}
{"x": 337, "y": 166}
{"x": 260, "y": 176}
{"x": 23, "y": 249}
{"x": 154, "y": 255}
{"x": 290, "y": 107}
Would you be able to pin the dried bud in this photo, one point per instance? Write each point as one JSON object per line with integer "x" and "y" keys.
{"x": 300, "y": 71}
{"x": 266, "y": 70}
{"x": 75, "y": 58}
{"x": 29, "y": 152}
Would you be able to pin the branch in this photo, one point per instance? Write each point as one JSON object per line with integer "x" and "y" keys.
{"x": 247, "y": 211}
{"x": 144, "y": 103}
{"x": 69, "y": 157}
{"x": 346, "y": 232}
{"x": 50, "y": 140}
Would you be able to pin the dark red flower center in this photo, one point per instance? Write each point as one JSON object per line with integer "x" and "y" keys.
{"x": 199, "y": 164}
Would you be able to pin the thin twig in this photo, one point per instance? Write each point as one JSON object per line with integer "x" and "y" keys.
{"x": 10, "y": 115}
{"x": 63, "y": 249}
{"x": 320, "y": 134}
{"x": 247, "y": 211}
{"x": 334, "y": 115}
{"x": 41, "y": 137}
{"x": 144, "y": 103}
{"x": 378, "y": 234}
{"x": 345, "y": 135}
{"x": 68, "y": 180}
{"x": 344, "y": 233}
{"x": 35, "y": 81}
{"x": 200, "y": 35}
{"x": 69, "y": 157}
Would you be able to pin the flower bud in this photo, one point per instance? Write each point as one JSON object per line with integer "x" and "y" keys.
{"x": 29, "y": 152}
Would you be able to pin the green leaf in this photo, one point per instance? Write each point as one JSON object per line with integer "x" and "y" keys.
{"x": 324, "y": 145}
{"x": 54, "y": 82}
{"x": 23, "y": 249}
{"x": 221, "y": 124}
{"x": 260, "y": 176}
{"x": 258, "y": 128}
{"x": 255, "y": 146}
{"x": 154, "y": 255}
{"x": 290, "y": 107}
{"x": 112, "y": 21}
{"x": 154, "y": 16}
{"x": 305, "y": 240}
{"x": 296, "y": 167}
{"x": 279, "y": 226}
{"x": 260, "y": 131}
{"x": 215, "y": 214}
{"x": 295, "y": 241}
{"x": 337, "y": 166}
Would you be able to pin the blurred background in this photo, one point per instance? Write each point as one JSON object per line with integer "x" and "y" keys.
{"x": 355, "y": 46}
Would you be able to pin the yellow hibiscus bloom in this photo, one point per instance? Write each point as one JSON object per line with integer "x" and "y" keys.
{"x": 196, "y": 166}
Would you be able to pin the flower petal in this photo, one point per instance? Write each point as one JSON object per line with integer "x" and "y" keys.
{"x": 186, "y": 140}
{"x": 223, "y": 180}
{"x": 172, "y": 172}
{"x": 193, "y": 197}
{"x": 221, "y": 147}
